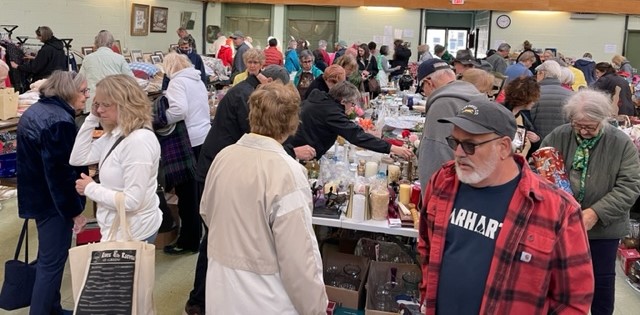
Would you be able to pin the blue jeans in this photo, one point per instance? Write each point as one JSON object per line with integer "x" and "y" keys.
{"x": 54, "y": 241}
{"x": 603, "y": 257}
{"x": 151, "y": 239}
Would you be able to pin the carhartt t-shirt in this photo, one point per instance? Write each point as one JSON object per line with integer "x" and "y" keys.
{"x": 474, "y": 225}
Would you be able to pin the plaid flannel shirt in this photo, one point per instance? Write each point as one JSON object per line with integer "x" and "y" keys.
{"x": 541, "y": 262}
{"x": 177, "y": 160}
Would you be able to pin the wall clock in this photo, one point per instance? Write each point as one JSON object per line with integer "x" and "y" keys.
{"x": 503, "y": 21}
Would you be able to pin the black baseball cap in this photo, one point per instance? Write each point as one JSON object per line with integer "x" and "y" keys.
{"x": 482, "y": 117}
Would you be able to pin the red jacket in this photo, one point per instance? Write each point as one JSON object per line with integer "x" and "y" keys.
{"x": 273, "y": 56}
{"x": 558, "y": 278}
{"x": 225, "y": 54}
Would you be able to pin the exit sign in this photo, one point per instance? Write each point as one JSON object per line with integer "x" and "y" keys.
{"x": 457, "y": 1}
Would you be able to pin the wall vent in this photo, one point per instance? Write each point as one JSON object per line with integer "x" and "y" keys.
{"x": 583, "y": 16}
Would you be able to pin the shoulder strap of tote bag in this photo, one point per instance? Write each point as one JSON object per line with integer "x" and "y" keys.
{"x": 120, "y": 222}
{"x": 24, "y": 235}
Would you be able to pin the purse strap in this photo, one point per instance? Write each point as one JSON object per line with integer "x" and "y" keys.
{"x": 120, "y": 222}
{"x": 24, "y": 235}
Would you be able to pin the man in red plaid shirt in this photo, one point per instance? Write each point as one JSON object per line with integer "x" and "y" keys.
{"x": 495, "y": 237}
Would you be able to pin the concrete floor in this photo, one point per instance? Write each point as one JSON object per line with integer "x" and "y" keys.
{"x": 174, "y": 274}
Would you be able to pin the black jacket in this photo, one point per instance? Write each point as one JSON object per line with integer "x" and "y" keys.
{"x": 370, "y": 65}
{"x": 401, "y": 57}
{"x": 229, "y": 125}
{"x": 608, "y": 83}
{"x": 46, "y": 134}
{"x": 318, "y": 84}
{"x": 51, "y": 57}
{"x": 322, "y": 119}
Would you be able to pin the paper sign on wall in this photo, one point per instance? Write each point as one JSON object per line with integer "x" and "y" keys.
{"x": 397, "y": 33}
{"x": 610, "y": 48}
{"x": 378, "y": 39}
{"x": 388, "y": 30}
{"x": 408, "y": 33}
{"x": 497, "y": 42}
{"x": 387, "y": 40}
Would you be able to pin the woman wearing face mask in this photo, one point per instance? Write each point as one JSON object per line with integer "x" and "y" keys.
{"x": 602, "y": 164}
{"x": 185, "y": 48}
{"x": 46, "y": 133}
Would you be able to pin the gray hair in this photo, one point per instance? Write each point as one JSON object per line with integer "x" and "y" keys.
{"x": 322, "y": 43}
{"x": 588, "y": 104}
{"x": 63, "y": 84}
{"x": 103, "y": 39}
{"x": 305, "y": 54}
{"x": 504, "y": 47}
{"x": 344, "y": 90}
{"x": 442, "y": 76}
{"x": 566, "y": 76}
{"x": 551, "y": 69}
{"x": 276, "y": 72}
{"x": 526, "y": 56}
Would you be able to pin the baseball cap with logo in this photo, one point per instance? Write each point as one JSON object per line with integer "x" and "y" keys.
{"x": 237, "y": 34}
{"x": 430, "y": 66}
{"x": 482, "y": 117}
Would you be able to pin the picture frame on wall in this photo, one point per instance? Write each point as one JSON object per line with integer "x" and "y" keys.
{"x": 87, "y": 50}
{"x": 117, "y": 48}
{"x": 139, "y": 19}
{"x": 136, "y": 55}
{"x": 159, "y": 17}
{"x": 160, "y": 54}
{"x": 187, "y": 20}
{"x": 127, "y": 59}
{"x": 155, "y": 59}
{"x": 173, "y": 48}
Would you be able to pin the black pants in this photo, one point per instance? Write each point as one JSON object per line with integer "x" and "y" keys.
{"x": 197, "y": 295}
{"x": 603, "y": 256}
{"x": 189, "y": 211}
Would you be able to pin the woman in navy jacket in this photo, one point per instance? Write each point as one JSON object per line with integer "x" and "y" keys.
{"x": 46, "y": 181}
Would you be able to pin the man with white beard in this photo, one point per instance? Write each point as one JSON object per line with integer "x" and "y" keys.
{"x": 495, "y": 235}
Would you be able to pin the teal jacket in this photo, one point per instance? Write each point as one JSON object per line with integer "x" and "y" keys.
{"x": 613, "y": 177}
{"x": 315, "y": 71}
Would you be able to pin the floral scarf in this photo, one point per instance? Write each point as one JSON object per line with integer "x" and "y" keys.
{"x": 581, "y": 159}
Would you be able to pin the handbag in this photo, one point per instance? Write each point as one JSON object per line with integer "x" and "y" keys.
{"x": 19, "y": 276}
{"x": 374, "y": 86}
{"x": 116, "y": 275}
{"x": 96, "y": 177}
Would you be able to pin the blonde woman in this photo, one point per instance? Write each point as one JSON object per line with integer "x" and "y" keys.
{"x": 127, "y": 155}
{"x": 188, "y": 102}
{"x": 622, "y": 64}
{"x": 481, "y": 79}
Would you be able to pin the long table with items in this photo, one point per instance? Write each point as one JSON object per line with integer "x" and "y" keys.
{"x": 368, "y": 226}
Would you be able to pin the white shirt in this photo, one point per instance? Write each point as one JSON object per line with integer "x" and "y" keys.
{"x": 189, "y": 101}
{"x": 132, "y": 168}
{"x": 99, "y": 64}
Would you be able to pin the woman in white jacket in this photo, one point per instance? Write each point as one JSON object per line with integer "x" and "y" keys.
{"x": 128, "y": 154}
{"x": 188, "y": 101}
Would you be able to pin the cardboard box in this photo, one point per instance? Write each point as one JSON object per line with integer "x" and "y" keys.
{"x": 380, "y": 273}
{"x": 627, "y": 258}
{"x": 344, "y": 297}
{"x": 8, "y": 103}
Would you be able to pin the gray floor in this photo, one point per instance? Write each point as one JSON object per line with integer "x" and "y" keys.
{"x": 174, "y": 274}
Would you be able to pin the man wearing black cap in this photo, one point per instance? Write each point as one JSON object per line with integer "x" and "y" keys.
{"x": 516, "y": 243}
{"x": 241, "y": 48}
{"x": 445, "y": 96}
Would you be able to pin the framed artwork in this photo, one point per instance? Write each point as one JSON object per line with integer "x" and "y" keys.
{"x": 146, "y": 57}
{"x": 187, "y": 20}
{"x": 139, "y": 19}
{"x": 173, "y": 47}
{"x": 212, "y": 33}
{"x": 116, "y": 47}
{"x": 87, "y": 50}
{"x": 155, "y": 59}
{"x": 136, "y": 55}
{"x": 127, "y": 59}
{"x": 159, "y": 17}
{"x": 160, "y": 54}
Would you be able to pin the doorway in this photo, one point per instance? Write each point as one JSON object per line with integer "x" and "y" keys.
{"x": 632, "y": 48}
{"x": 453, "y": 39}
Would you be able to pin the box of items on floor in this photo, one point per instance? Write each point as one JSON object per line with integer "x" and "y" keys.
{"x": 628, "y": 254}
{"x": 350, "y": 284}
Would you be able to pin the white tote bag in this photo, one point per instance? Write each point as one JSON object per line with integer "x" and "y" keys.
{"x": 114, "y": 277}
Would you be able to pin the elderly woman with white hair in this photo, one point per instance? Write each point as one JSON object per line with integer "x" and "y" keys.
{"x": 101, "y": 63}
{"x": 603, "y": 169}
{"x": 546, "y": 114}
{"x": 188, "y": 101}
{"x": 566, "y": 78}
